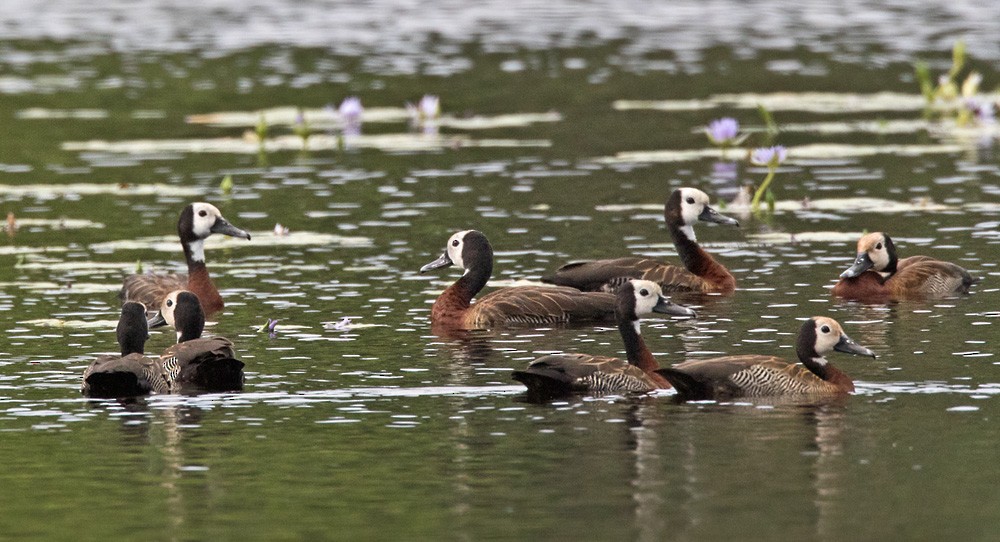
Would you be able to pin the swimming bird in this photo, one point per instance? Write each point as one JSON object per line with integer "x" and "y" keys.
{"x": 701, "y": 273}
{"x": 536, "y": 305}
{"x": 557, "y": 375}
{"x": 196, "y": 363}
{"x": 131, "y": 373}
{"x": 877, "y": 273}
{"x": 197, "y": 222}
{"x": 757, "y": 376}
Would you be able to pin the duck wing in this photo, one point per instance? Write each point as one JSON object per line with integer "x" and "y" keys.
{"x": 924, "y": 276}
{"x": 150, "y": 289}
{"x": 559, "y": 375}
{"x": 124, "y": 376}
{"x": 742, "y": 376}
{"x": 539, "y": 305}
{"x": 609, "y": 275}
{"x": 206, "y": 364}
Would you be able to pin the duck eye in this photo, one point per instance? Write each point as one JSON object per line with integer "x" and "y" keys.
{"x": 454, "y": 243}
{"x": 202, "y": 213}
{"x": 878, "y": 246}
{"x": 170, "y": 303}
{"x": 825, "y": 329}
{"x": 690, "y": 201}
{"x": 644, "y": 292}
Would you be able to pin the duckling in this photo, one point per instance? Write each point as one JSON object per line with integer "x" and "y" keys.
{"x": 878, "y": 273}
{"x": 534, "y": 305}
{"x": 197, "y": 222}
{"x": 557, "y": 375}
{"x": 701, "y": 273}
{"x": 132, "y": 373}
{"x": 202, "y": 364}
{"x": 757, "y": 376}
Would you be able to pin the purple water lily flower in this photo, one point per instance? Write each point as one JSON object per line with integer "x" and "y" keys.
{"x": 430, "y": 106}
{"x": 350, "y": 112}
{"x": 982, "y": 110}
{"x": 724, "y": 131}
{"x": 771, "y": 157}
{"x": 271, "y": 327}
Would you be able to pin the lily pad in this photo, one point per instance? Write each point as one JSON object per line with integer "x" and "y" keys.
{"x": 87, "y": 189}
{"x": 40, "y": 113}
{"x": 169, "y": 243}
{"x": 82, "y": 324}
{"x": 88, "y": 288}
{"x": 320, "y": 142}
{"x": 812, "y": 152}
{"x": 813, "y": 102}
{"x": 844, "y": 205}
{"x": 320, "y": 119}
{"x": 774, "y": 238}
{"x": 55, "y": 223}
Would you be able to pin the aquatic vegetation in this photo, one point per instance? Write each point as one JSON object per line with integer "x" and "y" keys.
{"x": 725, "y": 132}
{"x": 226, "y": 186}
{"x": 302, "y": 129}
{"x": 424, "y": 115}
{"x": 271, "y": 327}
{"x": 771, "y": 157}
{"x": 350, "y": 112}
{"x": 813, "y": 151}
{"x": 317, "y": 142}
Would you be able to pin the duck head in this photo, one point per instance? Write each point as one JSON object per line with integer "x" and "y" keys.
{"x": 182, "y": 311}
{"x": 876, "y": 252}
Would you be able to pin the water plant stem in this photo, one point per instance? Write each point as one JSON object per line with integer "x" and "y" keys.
{"x": 755, "y": 202}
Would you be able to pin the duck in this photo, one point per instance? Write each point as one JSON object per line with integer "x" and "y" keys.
{"x": 132, "y": 373}
{"x": 878, "y": 274}
{"x": 558, "y": 375}
{"x": 522, "y": 305}
{"x": 730, "y": 377}
{"x": 195, "y": 363}
{"x": 197, "y": 222}
{"x": 701, "y": 272}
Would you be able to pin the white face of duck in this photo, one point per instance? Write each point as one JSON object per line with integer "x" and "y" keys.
{"x": 874, "y": 245}
{"x": 456, "y": 244}
{"x": 167, "y": 310}
{"x": 205, "y": 215}
{"x": 693, "y": 203}
{"x": 648, "y": 294}
{"x": 828, "y": 333}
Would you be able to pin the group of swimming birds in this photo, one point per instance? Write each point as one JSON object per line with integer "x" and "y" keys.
{"x": 621, "y": 290}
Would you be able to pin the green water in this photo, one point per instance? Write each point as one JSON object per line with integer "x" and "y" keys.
{"x": 386, "y": 431}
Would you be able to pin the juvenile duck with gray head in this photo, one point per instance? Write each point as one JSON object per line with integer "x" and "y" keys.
{"x": 701, "y": 273}
{"x": 197, "y": 222}
{"x": 522, "y": 305}
{"x": 729, "y": 377}
{"x": 558, "y": 375}
{"x": 878, "y": 274}
{"x": 132, "y": 373}
{"x": 196, "y": 363}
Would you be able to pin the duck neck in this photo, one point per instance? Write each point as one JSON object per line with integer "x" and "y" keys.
{"x": 695, "y": 259}
{"x": 637, "y": 352}
{"x": 199, "y": 281}
{"x": 472, "y": 282}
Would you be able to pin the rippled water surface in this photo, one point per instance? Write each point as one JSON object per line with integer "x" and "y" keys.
{"x": 563, "y": 129}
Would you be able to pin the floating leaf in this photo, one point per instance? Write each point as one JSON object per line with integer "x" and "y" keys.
{"x": 815, "y": 102}
{"x": 816, "y": 151}
{"x": 319, "y": 142}
{"x": 168, "y": 243}
{"x": 49, "y": 190}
